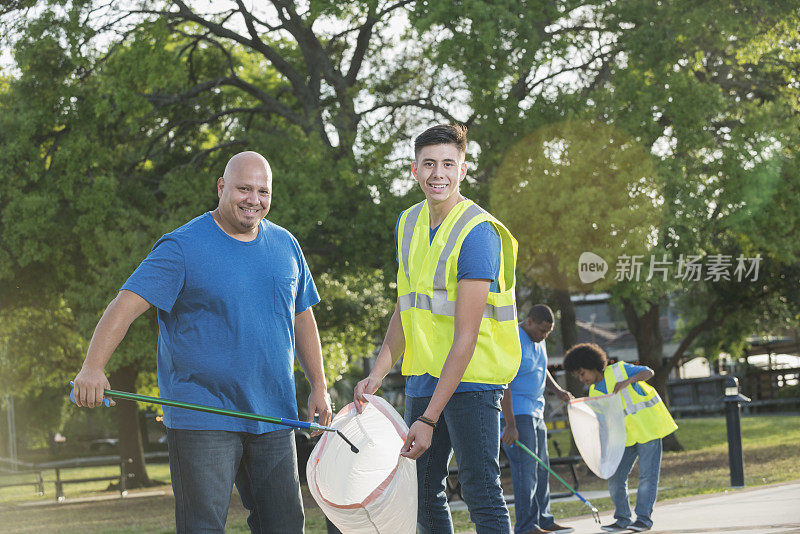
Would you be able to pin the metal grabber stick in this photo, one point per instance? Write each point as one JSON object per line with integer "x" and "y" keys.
{"x": 595, "y": 512}
{"x": 219, "y": 411}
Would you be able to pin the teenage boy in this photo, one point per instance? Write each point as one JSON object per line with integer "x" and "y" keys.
{"x": 455, "y": 322}
{"x": 646, "y": 422}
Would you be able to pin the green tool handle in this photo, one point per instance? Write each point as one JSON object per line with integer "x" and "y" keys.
{"x": 219, "y": 411}
{"x": 189, "y": 406}
{"x": 530, "y": 452}
{"x": 595, "y": 512}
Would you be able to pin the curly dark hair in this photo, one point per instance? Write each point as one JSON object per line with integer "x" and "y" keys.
{"x": 585, "y": 356}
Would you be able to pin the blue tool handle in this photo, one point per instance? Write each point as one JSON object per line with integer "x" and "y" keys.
{"x": 106, "y": 400}
{"x": 296, "y": 424}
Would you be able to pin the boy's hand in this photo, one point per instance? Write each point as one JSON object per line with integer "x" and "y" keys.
{"x": 369, "y": 386}
{"x": 418, "y": 440}
{"x": 619, "y": 386}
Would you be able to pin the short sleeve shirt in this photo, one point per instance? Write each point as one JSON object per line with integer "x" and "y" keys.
{"x": 226, "y": 321}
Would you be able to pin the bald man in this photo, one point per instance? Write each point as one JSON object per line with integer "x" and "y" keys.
{"x": 233, "y": 295}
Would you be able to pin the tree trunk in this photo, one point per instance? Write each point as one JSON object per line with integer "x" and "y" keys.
{"x": 646, "y": 330}
{"x": 569, "y": 335}
{"x": 569, "y": 338}
{"x": 130, "y": 438}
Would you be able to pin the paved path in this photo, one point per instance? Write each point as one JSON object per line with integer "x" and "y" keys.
{"x": 773, "y": 509}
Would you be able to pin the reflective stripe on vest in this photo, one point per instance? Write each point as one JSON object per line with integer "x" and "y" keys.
{"x": 646, "y": 416}
{"x": 631, "y": 407}
{"x": 408, "y": 232}
{"x": 438, "y": 303}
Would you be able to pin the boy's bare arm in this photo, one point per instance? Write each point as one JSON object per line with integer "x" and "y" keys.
{"x": 644, "y": 374}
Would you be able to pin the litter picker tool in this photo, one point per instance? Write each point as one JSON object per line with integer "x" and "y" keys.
{"x": 595, "y": 512}
{"x": 315, "y": 427}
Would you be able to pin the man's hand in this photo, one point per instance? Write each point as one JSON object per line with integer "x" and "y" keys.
{"x": 89, "y": 385}
{"x": 510, "y": 434}
{"x": 418, "y": 440}
{"x": 367, "y": 386}
{"x": 564, "y": 395}
{"x": 319, "y": 405}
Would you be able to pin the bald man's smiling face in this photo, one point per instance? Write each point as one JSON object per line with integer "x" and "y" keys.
{"x": 245, "y": 193}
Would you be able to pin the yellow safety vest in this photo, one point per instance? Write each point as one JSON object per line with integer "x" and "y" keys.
{"x": 426, "y": 294}
{"x": 646, "y": 416}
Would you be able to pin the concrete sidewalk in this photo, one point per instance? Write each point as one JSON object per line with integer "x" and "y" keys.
{"x": 773, "y": 509}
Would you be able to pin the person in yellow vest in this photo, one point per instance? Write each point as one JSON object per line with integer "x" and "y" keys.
{"x": 647, "y": 420}
{"x": 455, "y": 323}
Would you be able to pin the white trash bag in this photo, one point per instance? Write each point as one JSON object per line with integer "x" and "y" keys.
{"x": 374, "y": 491}
{"x": 598, "y": 427}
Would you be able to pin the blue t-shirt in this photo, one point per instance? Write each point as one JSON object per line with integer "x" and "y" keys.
{"x": 527, "y": 388}
{"x": 226, "y": 321}
{"x": 631, "y": 370}
{"x": 479, "y": 258}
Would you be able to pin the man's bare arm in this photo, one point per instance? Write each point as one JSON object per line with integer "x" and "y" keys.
{"x": 109, "y": 332}
{"x": 552, "y": 385}
{"x": 393, "y": 346}
{"x": 309, "y": 354}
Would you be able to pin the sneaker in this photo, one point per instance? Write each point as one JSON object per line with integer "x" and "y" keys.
{"x": 538, "y": 531}
{"x": 638, "y": 527}
{"x": 614, "y": 527}
{"x": 555, "y": 528}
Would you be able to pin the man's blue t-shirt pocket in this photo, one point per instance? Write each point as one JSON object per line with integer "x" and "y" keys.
{"x": 284, "y": 290}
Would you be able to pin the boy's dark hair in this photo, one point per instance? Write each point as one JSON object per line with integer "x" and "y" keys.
{"x": 442, "y": 134}
{"x": 585, "y": 356}
{"x": 541, "y": 313}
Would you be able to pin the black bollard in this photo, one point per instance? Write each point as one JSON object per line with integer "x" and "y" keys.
{"x": 735, "y": 456}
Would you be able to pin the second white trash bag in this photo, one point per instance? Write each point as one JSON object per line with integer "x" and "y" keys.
{"x": 598, "y": 427}
{"x": 374, "y": 491}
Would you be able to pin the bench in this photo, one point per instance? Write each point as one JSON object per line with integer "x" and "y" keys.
{"x": 5, "y": 476}
{"x": 98, "y": 461}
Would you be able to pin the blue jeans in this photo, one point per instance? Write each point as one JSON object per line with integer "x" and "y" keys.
{"x": 470, "y": 427}
{"x": 204, "y": 465}
{"x": 649, "y": 455}
{"x": 531, "y": 480}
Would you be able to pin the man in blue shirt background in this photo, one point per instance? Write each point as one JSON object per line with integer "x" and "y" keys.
{"x": 233, "y": 295}
{"x": 523, "y": 418}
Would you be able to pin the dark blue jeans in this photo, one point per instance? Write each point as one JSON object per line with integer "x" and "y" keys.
{"x": 205, "y": 464}
{"x": 531, "y": 480}
{"x": 470, "y": 427}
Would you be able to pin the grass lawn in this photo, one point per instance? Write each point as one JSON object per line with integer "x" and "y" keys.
{"x": 770, "y": 450}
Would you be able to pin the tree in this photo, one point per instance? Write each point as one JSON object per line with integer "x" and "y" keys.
{"x": 116, "y": 124}
{"x": 570, "y": 189}
{"x": 712, "y": 103}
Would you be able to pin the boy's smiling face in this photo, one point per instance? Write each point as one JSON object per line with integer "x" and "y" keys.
{"x": 588, "y": 376}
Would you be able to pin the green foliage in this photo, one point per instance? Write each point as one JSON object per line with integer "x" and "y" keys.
{"x": 352, "y": 316}
{"x": 694, "y": 88}
{"x": 612, "y": 127}
{"x": 38, "y": 347}
{"x": 575, "y": 187}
